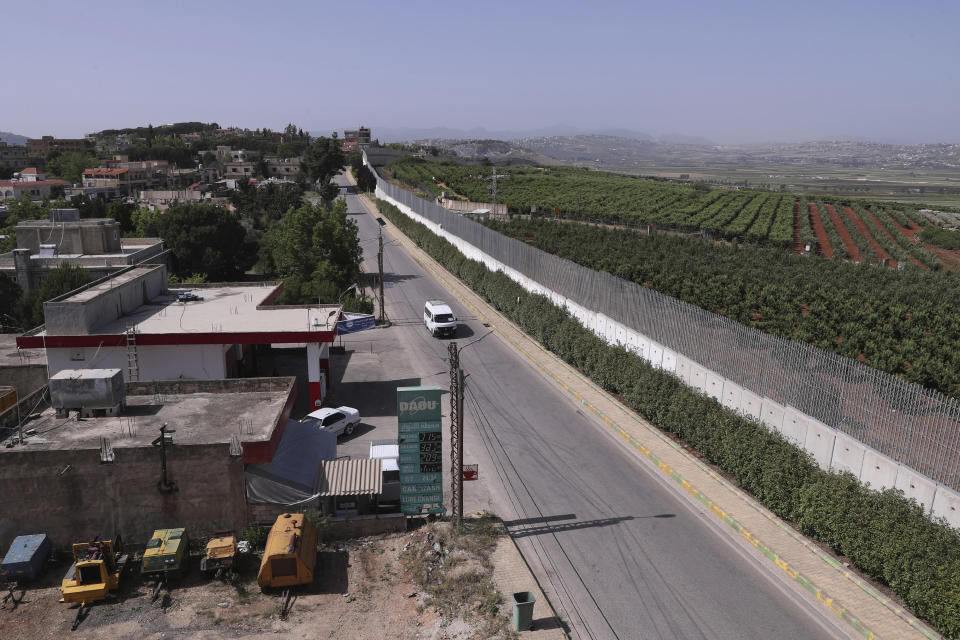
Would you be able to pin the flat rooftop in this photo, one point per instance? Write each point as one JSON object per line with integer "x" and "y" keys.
{"x": 11, "y": 356}
{"x": 228, "y": 309}
{"x": 82, "y": 222}
{"x": 198, "y": 418}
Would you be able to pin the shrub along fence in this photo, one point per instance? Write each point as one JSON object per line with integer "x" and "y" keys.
{"x": 882, "y": 533}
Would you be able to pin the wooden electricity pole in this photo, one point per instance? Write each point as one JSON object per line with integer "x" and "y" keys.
{"x": 383, "y": 311}
{"x": 456, "y": 436}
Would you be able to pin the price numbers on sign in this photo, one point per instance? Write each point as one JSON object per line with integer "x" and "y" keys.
{"x": 420, "y": 447}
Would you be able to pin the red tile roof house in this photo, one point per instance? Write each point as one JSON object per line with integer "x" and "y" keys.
{"x": 35, "y": 189}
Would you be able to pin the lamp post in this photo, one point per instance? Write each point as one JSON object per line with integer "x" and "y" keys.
{"x": 340, "y": 297}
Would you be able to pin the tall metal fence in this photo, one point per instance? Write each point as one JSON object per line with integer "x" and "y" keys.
{"x": 916, "y": 426}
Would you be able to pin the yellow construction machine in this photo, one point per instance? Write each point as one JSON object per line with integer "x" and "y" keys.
{"x": 96, "y": 570}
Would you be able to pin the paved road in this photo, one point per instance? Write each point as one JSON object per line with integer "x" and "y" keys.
{"x": 618, "y": 553}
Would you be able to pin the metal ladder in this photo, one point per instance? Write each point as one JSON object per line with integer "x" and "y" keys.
{"x": 133, "y": 360}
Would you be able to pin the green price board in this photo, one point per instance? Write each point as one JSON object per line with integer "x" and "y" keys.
{"x": 420, "y": 442}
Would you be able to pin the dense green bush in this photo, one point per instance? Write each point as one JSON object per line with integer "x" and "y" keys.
{"x": 941, "y": 237}
{"x": 885, "y": 535}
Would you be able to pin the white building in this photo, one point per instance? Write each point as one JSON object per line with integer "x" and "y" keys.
{"x": 132, "y": 321}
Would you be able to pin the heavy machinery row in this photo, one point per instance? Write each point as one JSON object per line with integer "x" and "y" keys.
{"x": 289, "y": 560}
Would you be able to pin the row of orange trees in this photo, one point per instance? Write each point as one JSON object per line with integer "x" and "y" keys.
{"x": 755, "y": 216}
{"x": 902, "y": 322}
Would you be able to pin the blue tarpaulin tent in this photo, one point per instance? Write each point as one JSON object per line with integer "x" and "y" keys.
{"x": 293, "y": 474}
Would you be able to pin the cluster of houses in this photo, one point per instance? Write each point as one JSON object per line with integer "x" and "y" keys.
{"x": 150, "y": 182}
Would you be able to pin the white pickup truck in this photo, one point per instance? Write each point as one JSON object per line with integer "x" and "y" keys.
{"x": 338, "y": 421}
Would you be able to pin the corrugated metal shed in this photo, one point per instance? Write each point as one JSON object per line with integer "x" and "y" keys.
{"x": 350, "y": 477}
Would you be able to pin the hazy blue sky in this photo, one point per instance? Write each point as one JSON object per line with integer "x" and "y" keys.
{"x": 730, "y": 71}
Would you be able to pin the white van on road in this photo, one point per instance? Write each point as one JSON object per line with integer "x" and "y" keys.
{"x": 439, "y": 318}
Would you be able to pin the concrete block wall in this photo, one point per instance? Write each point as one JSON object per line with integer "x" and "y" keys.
{"x": 830, "y": 448}
{"x": 71, "y": 495}
{"x": 25, "y": 378}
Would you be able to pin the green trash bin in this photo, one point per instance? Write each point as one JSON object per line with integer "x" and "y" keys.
{"x": 523, "y": 610}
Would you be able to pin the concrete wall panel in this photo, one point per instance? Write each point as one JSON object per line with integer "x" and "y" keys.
{"x": 600, "y": 326}
{"x": 751, "y": 404}
{"x": 644, "y": 347}
{"x": 878, "y": 470}
{"x": 848, "y": 454}
{"x": 714, "y": 386}
{"x": 656, "y": 354}
{"x": 772, "y": 415}
{"x": 946, "y": 505}
{"x": 684, "y": 368}
{"x": 633, "y": 341}
{"x": 916, "y": 486}
{"x": 621, "y": 335}
{"x": 669, "y": 360}
{"x": 698, "y": 377}
{"x": 732, "y": 393}
{"x": 819, "y": 442}
{"x": 794, "y": 427}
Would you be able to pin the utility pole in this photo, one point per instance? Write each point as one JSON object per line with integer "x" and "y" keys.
{"x": 456, "y": 436}
{"x": 383, "y": 310}
{"x": 164, "y": 485}
{"x": 493, "y": 188}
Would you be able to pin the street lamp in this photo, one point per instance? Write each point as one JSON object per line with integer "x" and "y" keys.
{"x": 353, "y": 286}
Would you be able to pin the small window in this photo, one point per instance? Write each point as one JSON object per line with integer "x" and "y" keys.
{"x": 332, "y": 418}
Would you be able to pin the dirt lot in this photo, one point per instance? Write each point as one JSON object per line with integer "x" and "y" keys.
{"x": 368, "y": 588}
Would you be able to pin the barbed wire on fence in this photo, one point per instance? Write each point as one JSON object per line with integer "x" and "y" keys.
{"x": 916, "y": 426}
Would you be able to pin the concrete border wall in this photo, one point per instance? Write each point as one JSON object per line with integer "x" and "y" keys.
{"x": 822, "y": 442}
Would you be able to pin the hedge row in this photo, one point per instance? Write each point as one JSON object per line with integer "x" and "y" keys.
{"x": 885, "y": 535}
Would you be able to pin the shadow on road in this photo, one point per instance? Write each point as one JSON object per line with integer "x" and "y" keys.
{"x": 540, "y": 520}
{"x": 370, "y": 397}
{"x": 569, "y": 526}
{"x": 543, "y": 624}
{"x": 370, "y": 277}
{"x": 358, "y": 430}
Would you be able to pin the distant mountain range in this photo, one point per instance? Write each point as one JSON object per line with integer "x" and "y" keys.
{"x": 405, "y": 134}
{"x": 13, "y": 138}
{"x": 638, "y": 155}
